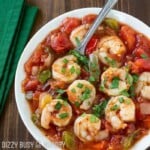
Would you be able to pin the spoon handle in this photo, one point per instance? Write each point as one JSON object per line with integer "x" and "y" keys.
{"x": 105, "y": 10}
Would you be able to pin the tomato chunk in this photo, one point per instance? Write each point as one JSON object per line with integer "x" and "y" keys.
{"x": 34, "y": 60}
{"x": 60, "y": 42}
{"x": 91, "y": 46}
{"x": 128, "y": 35}
{"x": 140, "y": 65}
{"x": 70, "y": 24}
{"x": 31, "y": 85}
{"x": 143, "y": 42}
{"x": 89, "y": 19}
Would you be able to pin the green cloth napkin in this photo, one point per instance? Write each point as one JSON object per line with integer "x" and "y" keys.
{"x": 15, "y": 27}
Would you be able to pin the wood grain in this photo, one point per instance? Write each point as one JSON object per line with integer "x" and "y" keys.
{"x": 11, "y": 126}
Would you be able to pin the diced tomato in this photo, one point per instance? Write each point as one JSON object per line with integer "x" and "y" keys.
{"x": 60, "y": 42}
{"x": 36, "y": 95}
{"x": 34, "y": 60}
{"x": 140, "y": 65}
{"x": 102, "y": 145}
{"x": 70, "y": 24}
{"x": 147, "y": 122}
{"x": 128, "y": 36}
{"x": 89, "y": 19}
{"x": 31, "y": 85}
{"x": 115, "y": 143}
{"x": 139, "y": 52}
{"x": 143, "y": 42}
{"x": 91, "y": 46}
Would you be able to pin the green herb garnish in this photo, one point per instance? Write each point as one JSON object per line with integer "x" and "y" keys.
{"x": 77, "y": 41}
{"x": 121, "y": 99}
{"x": 85, "y": 95}
{"x": 81, "y": 58}
{"x": 115, "y": 83}
{"x": 58, "y": 106}
{"x": 93, "y": 119}
{"x": 63, "y": 70}
{"x": 98, "y": 110}
{"x": 63, "y": 115}
{"x": 91, "y": 79}
{"x": 111, "y": 62}
{"x": 129, "y": 79}
{"x": 115, "y": 107}
{"x": 65, "y": 61}
{"x": 44, "y": 76}
{"x": 73, "y": 90}
{"x": 144, "y": 56}
{"x": 60, "y": 91}
{"x": 135, "y": 78}
{"x": 80, "y": 85}
{"x": 77, "y": 104}
{"x": 72, "y": 70}
{"x": 125, "y": 93}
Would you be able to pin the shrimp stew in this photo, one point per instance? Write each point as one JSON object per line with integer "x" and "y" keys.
{"x": 99, "y": 100}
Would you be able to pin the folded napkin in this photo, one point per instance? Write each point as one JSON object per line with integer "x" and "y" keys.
{"x": 16, "y": 20}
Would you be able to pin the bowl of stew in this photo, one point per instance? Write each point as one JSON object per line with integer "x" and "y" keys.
{"x": 99, "y": 100}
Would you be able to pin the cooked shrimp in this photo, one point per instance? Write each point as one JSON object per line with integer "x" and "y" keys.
{"x": 87, "y": 128}
{"x": 119, "y": 111}
{"x": 79, "y": 33}
{"x": 81, "y": 93}
{"x": 110, "y": 50}
{"x": 143, "y": 85}
{"x": 115, "y": 80}
{"x": 57, "y": 112}
{"x": 66, "y": 69}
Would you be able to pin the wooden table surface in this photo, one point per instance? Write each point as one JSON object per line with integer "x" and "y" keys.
{"x": 12, "y": 128}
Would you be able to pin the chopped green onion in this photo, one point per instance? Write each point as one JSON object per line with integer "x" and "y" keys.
{"x": 125, "y": 93}
{"x": 93, "y": 119}
{"x": 63, "y": 70}
{"x": 78, "y": 71}
{"x": 77, "y": 41}
{"x": 81, "y": 58}
{"x": 94, "y": 68}
{"x": 115, "y": 107}
{"x": 121, "y": 99}
{"x": 98, "y": 110}
{"x": 144, "y": 56}
{"x": 60, "y": 91}
{"x": 85, "y": 95}
{"x": 132, "y": 91}
{"x": 111, "y": 62}
{"x": 73, "y": 90}
{"x": 44, "y": 76}
{"x": 92, "y": 79}
{"x": 65, "y": 61}
{"x": 72, "y": 70}
{"x": 129, "y": 79}
{"x": 115, "y": 83}
{"x": 77, "y": 104}
{"x": 80, "y": 85}
{"x": 83, "y": 115}
{"x": 63, "y": 115}
{"x": 58, "y": 106}
{"x": 135, "y": 78}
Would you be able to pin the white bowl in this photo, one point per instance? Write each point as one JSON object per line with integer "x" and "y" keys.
{"x": 22, "y": 104}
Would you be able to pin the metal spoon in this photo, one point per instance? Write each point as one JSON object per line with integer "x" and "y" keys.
{"x": 105, "y": 10}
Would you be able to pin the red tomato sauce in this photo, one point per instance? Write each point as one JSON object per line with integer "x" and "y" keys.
{"x": 59, "y": 44}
